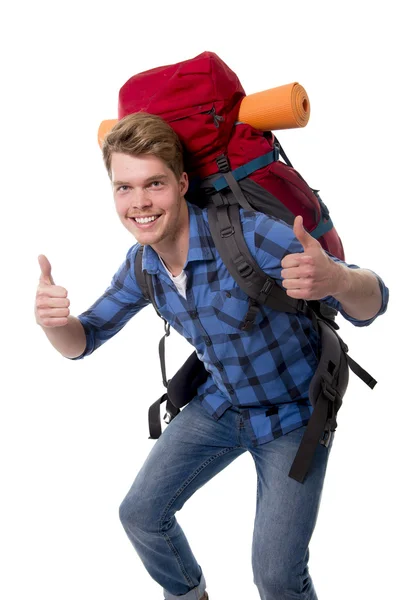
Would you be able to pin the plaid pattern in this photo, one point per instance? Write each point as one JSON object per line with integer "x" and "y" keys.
{"x": 265, "y": 370}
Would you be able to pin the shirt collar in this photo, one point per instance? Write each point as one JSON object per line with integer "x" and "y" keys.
{"x": 201, "y": 245}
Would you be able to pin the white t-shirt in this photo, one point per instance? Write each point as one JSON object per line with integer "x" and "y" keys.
{"x": 180, "y": 281}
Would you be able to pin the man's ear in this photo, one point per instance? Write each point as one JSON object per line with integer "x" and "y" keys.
{"x": 184, "y": 183}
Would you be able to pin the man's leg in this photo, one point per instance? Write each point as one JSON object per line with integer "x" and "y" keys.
{"x": 192, "y": 449}
{"x": 285, "y": 519}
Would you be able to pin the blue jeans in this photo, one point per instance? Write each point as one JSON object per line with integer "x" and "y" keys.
{"x": 192, "y": 449}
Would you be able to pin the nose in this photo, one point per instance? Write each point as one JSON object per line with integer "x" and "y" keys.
{"x": 140, "y": 200}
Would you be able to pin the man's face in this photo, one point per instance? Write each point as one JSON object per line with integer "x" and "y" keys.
{"x": 144, "y": 187}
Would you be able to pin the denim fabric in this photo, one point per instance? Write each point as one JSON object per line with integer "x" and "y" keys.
{"x": 192, "y": 449}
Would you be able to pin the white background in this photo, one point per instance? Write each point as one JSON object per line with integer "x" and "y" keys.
{"x": 75, "y": 434}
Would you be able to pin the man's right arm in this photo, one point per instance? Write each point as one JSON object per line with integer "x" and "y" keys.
{"x": 69, "y": 340}
{"x": 76, "y": 337}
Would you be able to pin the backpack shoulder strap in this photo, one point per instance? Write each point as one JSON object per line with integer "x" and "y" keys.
{"x": 227, "y": 234}
{"x": 138, "y": 271}
{"x": 144, "y": 279}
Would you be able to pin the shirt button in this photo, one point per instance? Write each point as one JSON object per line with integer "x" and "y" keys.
{"x": 208, "y": 341}
{"x": 228, "y": 294}
{"x": 231, "y": 392}
{"x": 220, "y": 366}
{"x": 193, "y": 314}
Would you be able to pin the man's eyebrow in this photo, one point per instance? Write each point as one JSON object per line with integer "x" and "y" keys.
{"x": 157, "y": 177}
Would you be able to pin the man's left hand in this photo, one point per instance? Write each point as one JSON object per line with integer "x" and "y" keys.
{"x": 311, "y": 274}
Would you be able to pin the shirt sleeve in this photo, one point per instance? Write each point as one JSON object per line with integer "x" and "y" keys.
{"x": 274, "y": 239}
{"x": 331, "y": 301}
{"x": 115, "y": 307}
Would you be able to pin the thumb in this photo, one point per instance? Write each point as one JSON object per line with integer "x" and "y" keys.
{"x": 302, "y": 234}
{"x": 45, "y": 267}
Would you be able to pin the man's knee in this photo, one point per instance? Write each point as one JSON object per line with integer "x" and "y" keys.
{"x": 139, "y": 511}
{"x": 134, "y": 511}
{"x": 282, "y": 581}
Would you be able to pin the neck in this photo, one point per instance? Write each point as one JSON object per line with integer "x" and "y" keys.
{"x": 174, "y": 253}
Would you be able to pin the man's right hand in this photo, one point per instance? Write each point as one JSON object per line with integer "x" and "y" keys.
{"x": 52, "y": 303}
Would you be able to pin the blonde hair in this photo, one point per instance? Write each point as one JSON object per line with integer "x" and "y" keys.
{"x": 141, "y": 133}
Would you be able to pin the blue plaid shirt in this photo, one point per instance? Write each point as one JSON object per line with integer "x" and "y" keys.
{"x": 265, "y": 370}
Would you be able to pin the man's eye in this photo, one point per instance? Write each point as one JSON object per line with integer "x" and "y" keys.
{"x": 123, "y": 188}
{"x": 156, "y": 184}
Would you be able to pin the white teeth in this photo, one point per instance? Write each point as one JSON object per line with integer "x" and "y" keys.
{"x": 145, "y": 219}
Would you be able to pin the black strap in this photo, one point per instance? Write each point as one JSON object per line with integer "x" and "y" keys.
{"x": 327, "y": 388}
{"x": 138, "y": 271}
{"x": 154, "y": 422}
{"x": 161, "y": 351}
{"x": 146, "y": 284}
{"x": 283, "y": 154}
{"x": 361, "y": 373}
{"x": 309, "y": 442}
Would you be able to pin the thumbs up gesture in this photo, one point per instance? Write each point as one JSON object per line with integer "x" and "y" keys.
{"x": 52, "y": 303}
{"x": 310, "y": 274}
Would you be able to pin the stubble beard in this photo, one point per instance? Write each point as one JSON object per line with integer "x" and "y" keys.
{"x": 172, "y": 231}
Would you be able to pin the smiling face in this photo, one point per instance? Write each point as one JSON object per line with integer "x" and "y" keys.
{"x": 149, "y": 199}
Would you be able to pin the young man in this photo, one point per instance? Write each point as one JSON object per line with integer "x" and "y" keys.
{"x": 269, "y": 366}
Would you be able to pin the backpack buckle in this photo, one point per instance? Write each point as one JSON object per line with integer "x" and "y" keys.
{"x": 167, "y": 418}
{"x": 326, "y": 438}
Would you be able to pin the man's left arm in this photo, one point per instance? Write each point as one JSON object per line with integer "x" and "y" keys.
{"x": 314, "y": 274}
{"x": 360, "y": 294}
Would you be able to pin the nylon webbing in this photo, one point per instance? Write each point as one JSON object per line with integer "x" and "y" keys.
{"x": 361, "y": 373}
{"x": 309, "y": 442}
{"x": 246, "y": 170}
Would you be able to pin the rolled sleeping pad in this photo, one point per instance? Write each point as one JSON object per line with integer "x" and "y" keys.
{"x": 104, "y": 129}
{"x": 284, "y": 107}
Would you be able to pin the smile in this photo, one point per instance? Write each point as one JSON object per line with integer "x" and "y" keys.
{"x": 145, "y": 222}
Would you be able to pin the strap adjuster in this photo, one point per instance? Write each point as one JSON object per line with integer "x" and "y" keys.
{"x": 223, "y": 164}
{"x": 227, "y": 232}
{"x": 326, "y": 438}
{"x": 252, "y": 312}
{"x": 328, "y": 391}
{"x": 244, "y": 269}
{"x": 266, "y": 289}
